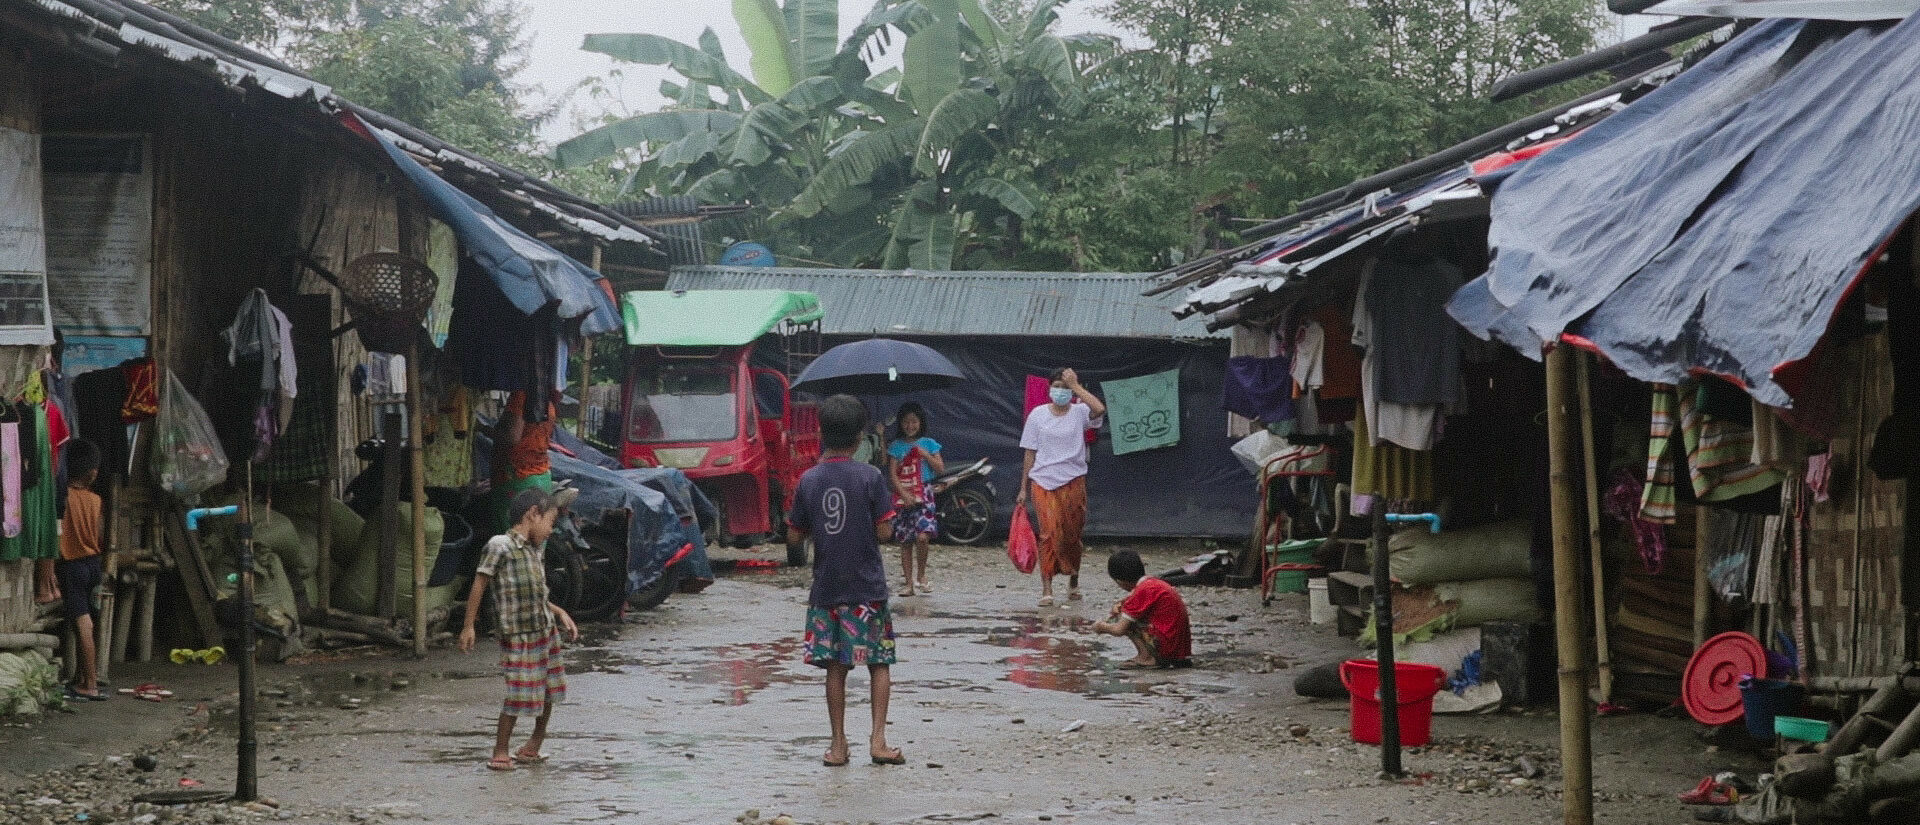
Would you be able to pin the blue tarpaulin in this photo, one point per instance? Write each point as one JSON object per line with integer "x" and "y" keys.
{"x": 1715, "y": 225}
{"x": 529, "y": 272}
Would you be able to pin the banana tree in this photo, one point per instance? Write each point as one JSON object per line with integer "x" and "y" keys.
{"x": 854, "y": 167}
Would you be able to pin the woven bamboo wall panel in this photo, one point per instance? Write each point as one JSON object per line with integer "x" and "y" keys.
{"x": 1856, "y": 539}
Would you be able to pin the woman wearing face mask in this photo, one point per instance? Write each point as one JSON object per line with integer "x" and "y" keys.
{"x": 1056, "y": 465}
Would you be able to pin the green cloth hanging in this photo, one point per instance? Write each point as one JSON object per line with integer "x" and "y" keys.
{"x": 1144, "y": 412}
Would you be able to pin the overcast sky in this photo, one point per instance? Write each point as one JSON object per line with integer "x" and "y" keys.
{"x": 556, "y": 64}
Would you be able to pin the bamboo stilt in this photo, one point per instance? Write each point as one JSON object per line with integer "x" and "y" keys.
{"x": 1603, "y": 657}
{"x": 418, "y": 460}
{"x": 1576, "y": 745}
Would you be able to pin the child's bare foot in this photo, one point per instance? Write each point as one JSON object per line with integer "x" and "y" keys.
{"x": 529, "y": 754}
{"x": 47, "y": 596}
{"x": 1139, "y": 663}
{"x": 836, "y": 755}
{"x": 883, "y": 755}
{"x": 500, "y": 762}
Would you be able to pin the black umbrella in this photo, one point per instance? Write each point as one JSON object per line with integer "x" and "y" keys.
{"x": 879, "y": 366}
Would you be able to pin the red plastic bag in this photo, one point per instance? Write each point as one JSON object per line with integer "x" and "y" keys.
{"x": 1023, "y": 548}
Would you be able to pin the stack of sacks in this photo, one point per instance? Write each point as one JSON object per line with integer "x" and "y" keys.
{"x": 355, "y": 589}
{"x": 278, "y": 561}
{"x": 300, "y": 503}
{"x": 1460, "y": 578}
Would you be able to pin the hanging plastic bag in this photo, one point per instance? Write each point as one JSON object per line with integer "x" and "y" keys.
{"x": 187, "y": 453}
{"x": 1023, "y": 548}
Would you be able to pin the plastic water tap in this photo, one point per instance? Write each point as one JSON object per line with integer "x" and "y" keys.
{"x": 196, "y": 514}
{"x": 1432, "y": 519}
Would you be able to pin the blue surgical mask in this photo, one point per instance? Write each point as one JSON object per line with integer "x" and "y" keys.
{"x": 1060, "y": 395}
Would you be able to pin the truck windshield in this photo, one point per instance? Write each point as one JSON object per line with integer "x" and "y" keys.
{"x": 682, "y": 402}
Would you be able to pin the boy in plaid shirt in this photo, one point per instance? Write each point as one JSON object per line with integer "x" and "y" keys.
{"x": 530, "y": 625}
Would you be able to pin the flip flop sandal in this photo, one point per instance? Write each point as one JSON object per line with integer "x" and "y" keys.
{"x": 829, "y": 762}
{"x": 503, "y": 765}
{"x": 1073, "y": 595}
{"x": 899, "y": 757}
{"x": 1046, "y": 601}
{"x": 529, "y": 759}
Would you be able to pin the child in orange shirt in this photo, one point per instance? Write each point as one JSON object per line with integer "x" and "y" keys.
{"x": 79, "y": 569}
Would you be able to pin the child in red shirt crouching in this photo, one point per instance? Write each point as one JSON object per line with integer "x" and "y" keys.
{"x": 1153, "y": 615}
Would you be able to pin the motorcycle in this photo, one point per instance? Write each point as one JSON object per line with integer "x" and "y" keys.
{"x": 963, "y": 502}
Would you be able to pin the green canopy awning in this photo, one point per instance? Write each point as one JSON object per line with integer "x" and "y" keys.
{"x": 712, "y": 317}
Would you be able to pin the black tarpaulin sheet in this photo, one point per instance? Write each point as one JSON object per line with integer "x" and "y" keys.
{"x": 1714, "y": 225}
{"x": 1194, "y": 488}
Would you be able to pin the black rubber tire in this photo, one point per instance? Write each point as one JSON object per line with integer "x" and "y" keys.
{"x": 797, "y": 553}
{"x": 651, "y": 596}
{"x": 603, "y": 579}
{"x": 967, "y": 516}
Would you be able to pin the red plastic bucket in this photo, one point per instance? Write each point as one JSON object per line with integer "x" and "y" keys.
{"x": 1416, "y": 685}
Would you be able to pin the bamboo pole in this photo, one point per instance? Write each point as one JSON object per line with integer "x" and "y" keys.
{"x": 586, "y": 365}
{"x": 1589, "y": 456}
{"x": 149, "y": 591}
{"x": 1576, "y": 746}
{"x": 419, "y": 484}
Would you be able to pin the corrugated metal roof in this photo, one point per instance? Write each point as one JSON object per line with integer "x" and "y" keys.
{"x": 921, "y": 302}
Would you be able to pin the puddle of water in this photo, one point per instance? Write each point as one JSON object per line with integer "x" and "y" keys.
{"x": 745, "y": 668}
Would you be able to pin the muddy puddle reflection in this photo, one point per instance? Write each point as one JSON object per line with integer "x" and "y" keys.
{"x": 744, "y": 669}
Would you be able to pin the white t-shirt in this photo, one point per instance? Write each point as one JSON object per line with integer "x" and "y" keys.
{"x": 1059, "y": 444}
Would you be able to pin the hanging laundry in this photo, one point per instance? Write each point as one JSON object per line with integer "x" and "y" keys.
{"x": 253, "y": 338}
{"x": 143, "y": 391}
{"x": 1718, "y": 454}
{"x": 1623, "y": 504}
{"x": 1259, "y": 388}
{"x": 11, "y": 485}
{"x": 1309, "y": 351}
{"x": 1389, "y": 471}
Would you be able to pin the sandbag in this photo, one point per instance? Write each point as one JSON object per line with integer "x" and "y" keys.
{"x": 300, "y": 502}
{"x": 354, "y": 590}
{"x": 1491, "y": 600}
{"x": 1494, "y": 551}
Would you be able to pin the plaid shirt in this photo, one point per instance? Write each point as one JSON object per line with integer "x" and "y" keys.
{"x": 519, "y": 586}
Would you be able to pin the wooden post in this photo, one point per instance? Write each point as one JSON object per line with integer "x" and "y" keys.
{"x": 149, "y": 590}
{"x": 323, "y": 516}
{"x": 1576, "y": 746}
{"x": 122, "y": 619}
{"x": 103, "y": 629}
{"x": 385, "y": 598}
{"x": 586, "y": 383}
{"x": 1702, "y": 594}
{"x": 586, "y": 366}
{"x": 1603, "y": 658}
{"x": 418, "y": 463}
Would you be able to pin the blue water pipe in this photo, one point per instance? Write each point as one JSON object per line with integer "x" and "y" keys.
{"x": 1432, "y": 519}
{"x": 196, "y": 514}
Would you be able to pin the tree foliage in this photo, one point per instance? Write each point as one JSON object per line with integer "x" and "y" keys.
{"x": 854, "y": 166}
{"x": 446, "y": 66}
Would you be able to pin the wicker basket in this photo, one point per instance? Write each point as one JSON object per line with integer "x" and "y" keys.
{"x": 388, "y": 294}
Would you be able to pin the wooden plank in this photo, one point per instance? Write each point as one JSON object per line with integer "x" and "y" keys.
{"x": 194, "y": 574}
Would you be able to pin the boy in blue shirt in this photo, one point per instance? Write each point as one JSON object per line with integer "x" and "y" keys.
{"x": 846, "y": 507}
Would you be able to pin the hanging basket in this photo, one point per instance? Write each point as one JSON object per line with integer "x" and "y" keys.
{"x": 389, "y": 295}
{"x": 389, "y": 285}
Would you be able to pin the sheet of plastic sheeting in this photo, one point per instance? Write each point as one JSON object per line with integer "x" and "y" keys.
{"x": 1715, "y": 224}
{"x": 1193, "y": 489}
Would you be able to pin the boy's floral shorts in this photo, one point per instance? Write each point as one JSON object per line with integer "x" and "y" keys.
{"x": 854, "y": 635}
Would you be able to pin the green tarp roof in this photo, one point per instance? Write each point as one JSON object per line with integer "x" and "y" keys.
{"x": 712, "y": 318}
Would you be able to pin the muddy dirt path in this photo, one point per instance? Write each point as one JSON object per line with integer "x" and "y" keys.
{"x": 702, "y": 711}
